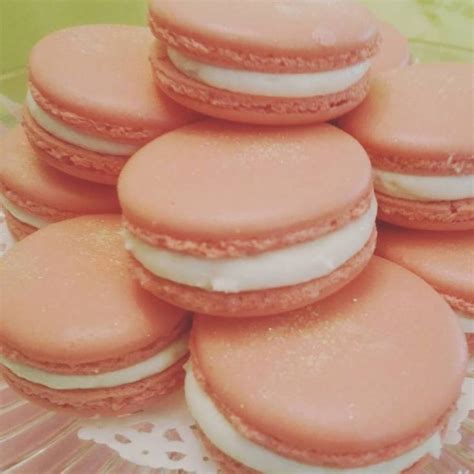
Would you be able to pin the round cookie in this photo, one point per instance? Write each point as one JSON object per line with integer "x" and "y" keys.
{"x": 76, "y": 332}
{"x": 242, "y": 220}
{"x": 442, "y": 259}
{"x": 92, "y": 101}
{"x": 34, "y": 195}
{"x": 316, "y": 389}
{"x": 394, "y": 50}
{"x": 271, "y": 62}
{"x": 416, "y": 125}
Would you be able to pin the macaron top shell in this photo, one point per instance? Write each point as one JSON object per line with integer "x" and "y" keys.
{"x": 101, "y": 73}
{"x": 232, "y": 32}
{"x": 329, "y": 378}
{"x": 68, "y": 297}
{"x": 22, "y": 173}
{"x": 444, "y": 259}
{"x": 422, "y": 112}
{"x": 220, "y": 181}
{"x": 394, "y": 50}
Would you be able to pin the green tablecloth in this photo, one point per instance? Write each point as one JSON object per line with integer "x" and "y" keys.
{"x": 437, "y": 29}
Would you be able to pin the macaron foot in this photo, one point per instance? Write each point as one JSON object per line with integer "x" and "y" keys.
{"x": 120, "y": 400}
{"x": 226, "y": 463}
{"x": 19, "y": 229}
{"x": 470, "y": 343}
{"x": 431, "y": 215}
{"x": 254, "y": 303}
{"x": 245, "y": 108}
{"x": 71, "y": 159}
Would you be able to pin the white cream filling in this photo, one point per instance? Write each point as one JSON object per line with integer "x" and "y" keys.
{"x": 22, "y": 215}
{"x": 424, "y": 188}
{"x": 466, "y": 322}
{"x": 224, "y": 436}
{"x": 269, "y": 84}
{"x": 146, "y": 368}
{"x": 273, "y": 269}
{"x": 70, "y": 135}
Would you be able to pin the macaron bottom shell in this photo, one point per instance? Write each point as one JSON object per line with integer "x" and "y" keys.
{"x": 428, "y": 215}
{"x": 470, "y": 343}
{"x": 254, "y": 303}
{"x": 19, "y": 229}
{"x": 231, "y": 466}
{"x": 72, "y": 159}
{"x": 256, "y": 109}
{"x": 114, "y": 401}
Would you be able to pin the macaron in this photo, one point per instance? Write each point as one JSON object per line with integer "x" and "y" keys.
{"x": 416, "y": 125}
{"x": 443, "y": 259}
{"x": 76, "y": 332}
{"x": 241, "y": 220}
{"x": 34, "y": 195}
{"x": 394, "y": 50}
{"x": 362, "y": 382}
{"x": 92, "y": 102}
{"x": 271, "y": 62}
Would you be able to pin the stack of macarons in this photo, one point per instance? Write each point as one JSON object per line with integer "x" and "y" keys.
{"x": 416, "y": 125}
{"x": 259, "y": 220}
{"x": 91, "y": 103}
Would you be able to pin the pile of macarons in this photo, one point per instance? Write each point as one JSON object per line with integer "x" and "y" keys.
{"x": 187, "y": 214}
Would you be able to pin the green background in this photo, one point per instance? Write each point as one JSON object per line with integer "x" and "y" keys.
{"x": 437, "y": 29}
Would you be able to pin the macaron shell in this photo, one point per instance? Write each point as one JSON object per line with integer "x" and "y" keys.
{"x": 19, "y": 229}
{"x": 329, "y": 370}
{"x": 443, "y": 259}
{"x": 231, "y": 466}
{"x": 70, "y": 159}
{"x": 226, "y": 463}
{"x": 268, "y": 35}
{"x": 70, "y": 305}
{"x": 243, "y": 182}
{"x": 122, "y": 400}
{"x": 426, "y": 215}
{"x": 254, "y": 303}
{"x": 419, "y": 113}
{"x": 245, "y": 108}
{"x": 27, "y": 177}
{"x": 97, "y": 78}
{"x": 470, "y": 343}
{"x": 394, "y": 50}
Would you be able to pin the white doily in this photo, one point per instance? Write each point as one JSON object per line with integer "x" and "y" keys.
{"x": 163, "y": 437}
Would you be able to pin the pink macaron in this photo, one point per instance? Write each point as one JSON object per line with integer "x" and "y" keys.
{"x": 92, "y": 102}
{"x": 34, "y": 195}
{"x": 244, "y": 220}
{"x": 268, "y": 62}
{"x": 76, "y": 332}
{"x": 416, "y": 125}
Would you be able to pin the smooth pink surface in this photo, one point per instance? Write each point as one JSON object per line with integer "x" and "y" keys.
{"x": 422, "y": 113}
{"x": 394, "y": 50}
{"x": 330, "y": 377}
{"x": 444, "y": 259}
{"x": 68, "y": 297}
{"x": 215, "y": 180}
{"x": 101, "y": 73}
